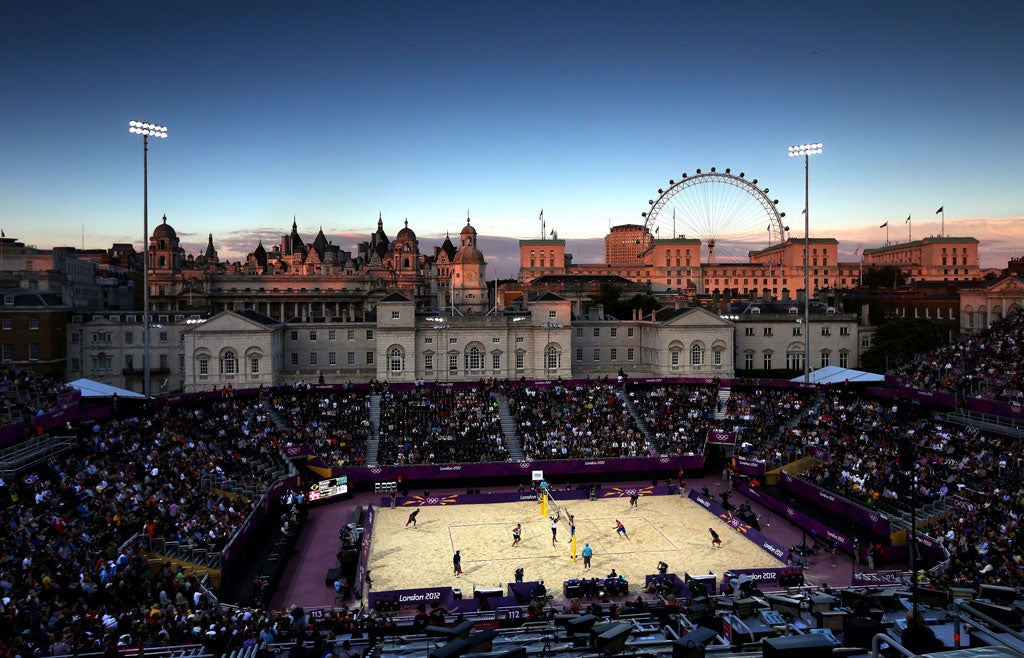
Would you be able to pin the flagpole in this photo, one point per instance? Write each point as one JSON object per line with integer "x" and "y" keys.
{"x": 910, "y": 230}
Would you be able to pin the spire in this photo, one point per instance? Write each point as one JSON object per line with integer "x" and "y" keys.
{"x": 295, "y": 227}
{"x": 406, "y": 222}
{"x": 165, "y": 218}
{"x": 380, "y": 221}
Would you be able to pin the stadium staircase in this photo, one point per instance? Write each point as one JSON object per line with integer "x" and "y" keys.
{"x": 276, "y": 417}
{"x": 31, "y": 452}
{"x": 627, "y": 401}
{"x": 511, "y": 431}
{"x": 724, "y": 392}
{"x": 373, "y": 441}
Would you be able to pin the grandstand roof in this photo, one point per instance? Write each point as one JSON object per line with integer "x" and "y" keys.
{"x": 837, "y": 375}
{"x": 93, "y": 389}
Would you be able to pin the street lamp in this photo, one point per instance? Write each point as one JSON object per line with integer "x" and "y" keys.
{"x": 147, "y": 130}
{"x": 806, "y": 150}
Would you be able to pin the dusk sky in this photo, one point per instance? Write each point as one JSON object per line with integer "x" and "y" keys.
{"x": 335, "y": 112}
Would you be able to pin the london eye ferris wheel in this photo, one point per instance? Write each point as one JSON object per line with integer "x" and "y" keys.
{"x": 728, "y": 213}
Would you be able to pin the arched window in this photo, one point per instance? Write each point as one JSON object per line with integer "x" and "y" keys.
{"x": 228, "y": 363}
{"x": 475, "y": 358}
{"x": 552, "y": 359}
{"x": 696, "y": 355}
{"x": 396, "y": 360}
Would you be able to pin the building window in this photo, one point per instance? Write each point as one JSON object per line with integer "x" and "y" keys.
{"x": 254, "y": 365}
{"x": 674, "y": 358}
{"x": 696, "y": 355}
{"x": 579, "y": 353}
{"x": 826, "y": 331}
{"x": 597, "y": 354}
{"x": 552, "y": 359}
{"x": 519, "y": 340}
{"x": 293, "y": 358}
{"x": 428, "y": 362}
{"x": 7, "y": 324}
{"x": 844, "y": 331}
{"x": 163, "y": 336}
{"x": 351, "y": 334}
{"x": 33, "y": 324}
{"x": 629, "y": 354}
{"x": 332, "y": 334}
{"x": 312, "y": 358}
{"x": 844, "y": 359}
{"x": 369, "y": 334}
{"x": 718, "y": 357}
{"x": 629, "y": 332}
{"x": 129, "y": 362}
{"x": 332, "y": 358}
{"x": 33, "y": 351}
{"x": 520, "y": 361}
{"x": 798, "y": 331}
{"x": 295, "y": 335}
{"x": 767, "y": 331}
{"x": 597, "y": 332}
{"x": 495, "y": 362}
{"x": 396, "y": 361}
{"x": 475, "y": 358}
{"x": 866, "y": 341}
{"x": 748, "y": 361}
{"x": 350, "y": 358}
{"x": 227, "y": 363}
{"x": 794, "y": 361}
{"x": 369, "y": 358}
{"x": 579, "y": 331}
{"x": 75, "y": 363}
{"x": 748, "y": 331}
{"x": 613, "y": 354}
{"x": 312, "y": 336}
{"x": 129, "y": 337}
{"x": 453, "y": 363}
{"x": 767, "y": 360}
{"x": 496, "y": 340}
{"x": 824, "y": 359}
{"x": 552, "y": 314}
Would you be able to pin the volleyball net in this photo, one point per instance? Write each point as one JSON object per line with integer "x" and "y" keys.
{"x": 563, "y": 518}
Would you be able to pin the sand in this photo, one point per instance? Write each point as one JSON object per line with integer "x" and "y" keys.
{"x": 669, "y": 528}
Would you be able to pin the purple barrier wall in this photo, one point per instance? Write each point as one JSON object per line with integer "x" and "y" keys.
{"x": 12, "y": 433}
{"x": 721, "y": 437}
{"x": 597, "y": 467}
{"x": 762, "y": 576}
{"x": 1012, "y": 410}
{"x": 769, "y": 546}
{"x": 412, "y": 597}
{"x": 748, "y": 466}
{"x": 798, "y": 518}
{"x": 55, "y": 418}
{"x": 862, "y": 516}
{"x": 364, "y": 550}
{"x": 516, "y": 497}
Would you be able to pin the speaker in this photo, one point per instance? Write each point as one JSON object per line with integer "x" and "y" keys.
{"x": 580, "y": 624}
{"x": 998, "y": 594}
{"x": 1003, "y": 614}
{"x": 481, "y": 642}
{"x": 700, "y": 635}
{"x": 797, "y": 646}
{"x": 453, "y": 649}
{"x": 613, "y": 640}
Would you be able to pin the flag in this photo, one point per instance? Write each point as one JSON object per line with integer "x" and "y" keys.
{"x": 2, "y": 234}
{"x": 908, "y": 219}
{"x": 656, "y": 229}
{"x": 884, "y": 225}
{"x": 542, "y": 213}
{"x": 941, "y": 208}
{"x": 552, "y": 232}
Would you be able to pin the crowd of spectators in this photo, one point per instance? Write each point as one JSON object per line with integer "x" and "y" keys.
{"x": 679, "y": 416}
{"x": 434, "y": 425}
{"x": 986, "y": 364}
{"x": 25, "y": 394}
{"x": 583, "y": 421}
{"x": 336, "y": 423}
{"x": 70, "y": 580}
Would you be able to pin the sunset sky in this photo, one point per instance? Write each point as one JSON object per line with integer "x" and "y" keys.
{"x": 336, "y": 112}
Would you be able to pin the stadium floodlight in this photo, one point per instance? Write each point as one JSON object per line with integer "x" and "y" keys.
{"x": 147, "y": 130}
{"x": 806, "y": 151}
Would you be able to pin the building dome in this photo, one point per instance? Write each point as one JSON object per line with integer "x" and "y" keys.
{"x": 165, "y": 231}
{"x": 406, "y": 234}
{"x": 468, "y": 254}
{"x": 467, "y": 231}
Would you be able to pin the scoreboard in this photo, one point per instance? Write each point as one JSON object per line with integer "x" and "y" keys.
{"x": 328, "y": 488}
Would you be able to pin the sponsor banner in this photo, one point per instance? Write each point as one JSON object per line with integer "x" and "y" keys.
{"x": 524, "y": 469}
{"x": 721, "y": 437}
{"x": 560, "y": 496}
{"x": 1012, "y": 410}
{"x": 820, "y": 453}
{"x": 874, "y": 521}
{"x": 750, "y": 466}
{"x": 47, "y": 421}
{"x": 761, "y": 576}
{"x": 737, "y": 524}
{"x": 817, "y": 529}
{"x": 407, "y": 598}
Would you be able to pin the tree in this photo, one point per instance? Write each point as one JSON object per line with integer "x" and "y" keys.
{"x": 887, "y": 276}
{"x": 900, "y": 341}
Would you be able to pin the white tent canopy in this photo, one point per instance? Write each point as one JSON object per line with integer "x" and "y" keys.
{"x": 837, "y": 375}
{"x": 91, "y": 389}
